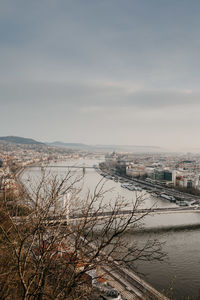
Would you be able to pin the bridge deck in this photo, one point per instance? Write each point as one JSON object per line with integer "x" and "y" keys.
{"x": 55, "y": 166}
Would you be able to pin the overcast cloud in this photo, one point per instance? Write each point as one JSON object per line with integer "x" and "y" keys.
{"x": 109, "y": 71}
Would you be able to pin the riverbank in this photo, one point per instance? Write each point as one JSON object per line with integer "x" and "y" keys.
{"x": 160, "y": 191}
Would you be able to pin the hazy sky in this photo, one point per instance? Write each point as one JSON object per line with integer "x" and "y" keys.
{"x": 101, "y": 71}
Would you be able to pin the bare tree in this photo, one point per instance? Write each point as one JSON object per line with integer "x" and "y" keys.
{"x": 65, "y": 237}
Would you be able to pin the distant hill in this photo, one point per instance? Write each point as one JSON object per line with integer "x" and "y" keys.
{"x": 19, "y": 140}
{"x": 78, "y": 146}
{"x": 105, "y": 148}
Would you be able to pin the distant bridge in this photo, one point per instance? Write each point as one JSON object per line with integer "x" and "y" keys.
{"x": 55, "y": 166}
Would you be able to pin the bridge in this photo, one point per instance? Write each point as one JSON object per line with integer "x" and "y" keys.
{"x": 148, "y": 211}
{"x": 55, "y": 166}
{"x": 71, "y": 218}
{"x": 120, "y": 213}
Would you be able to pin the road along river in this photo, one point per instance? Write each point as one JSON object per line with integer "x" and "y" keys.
{"x": 179, "y": 273}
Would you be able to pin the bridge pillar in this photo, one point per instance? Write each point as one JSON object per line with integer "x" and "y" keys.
{"x": 66, "y": 204}
{"x": 83, "y": 171}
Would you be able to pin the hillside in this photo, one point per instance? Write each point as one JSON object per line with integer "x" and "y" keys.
{"x": 77, "y": 146}
{"x": 19, "y": 140}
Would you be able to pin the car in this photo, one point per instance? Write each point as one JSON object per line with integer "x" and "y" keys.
{"x": 111, "y": 294}
{"x": 128, "y": 288}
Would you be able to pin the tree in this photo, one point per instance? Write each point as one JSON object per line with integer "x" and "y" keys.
{"x": 64, "y": 238}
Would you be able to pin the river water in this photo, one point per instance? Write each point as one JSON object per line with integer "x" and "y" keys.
{"x": 178, "y": 275}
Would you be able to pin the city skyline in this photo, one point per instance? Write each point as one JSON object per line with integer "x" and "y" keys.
{"x": 101, "y": 72}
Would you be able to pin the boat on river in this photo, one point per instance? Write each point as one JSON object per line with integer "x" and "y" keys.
{"x": 131, "y": 187}
{"x": 168, "y": 197}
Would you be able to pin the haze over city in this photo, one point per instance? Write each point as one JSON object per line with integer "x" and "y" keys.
{"x": 101, "y": 72}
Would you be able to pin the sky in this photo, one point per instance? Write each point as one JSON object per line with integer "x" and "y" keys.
{"x": 101, "y": 71}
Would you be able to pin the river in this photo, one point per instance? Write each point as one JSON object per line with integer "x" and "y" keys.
{"x": 179, "y": 273}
